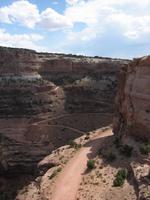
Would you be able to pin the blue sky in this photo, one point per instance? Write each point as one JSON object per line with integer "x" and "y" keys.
{"x": 112, "y": 28}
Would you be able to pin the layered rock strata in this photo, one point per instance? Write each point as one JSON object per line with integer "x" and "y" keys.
{"x": 37, "y": 90}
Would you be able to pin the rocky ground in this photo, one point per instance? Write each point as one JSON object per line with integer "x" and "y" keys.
{"x": 110, "y": 156}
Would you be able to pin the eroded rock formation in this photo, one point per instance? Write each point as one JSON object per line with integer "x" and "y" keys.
{"x": 38, "y": 90}
{"x": 133, "y": 100}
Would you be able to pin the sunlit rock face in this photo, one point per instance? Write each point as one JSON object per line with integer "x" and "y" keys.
{"x": 43, "y": 96}
{"x": 133, "y": 100}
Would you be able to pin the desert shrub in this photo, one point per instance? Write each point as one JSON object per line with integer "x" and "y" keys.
{"x": 123, "y": 173}
{"x": 59, "y": 169}
{"x": 119, "y": 181}
{"x": 90, "y": 164}
{"x": 145, "y": 149}
{"x": 75, "y": 145}
{"x": 110, "y": 156}
{"x": 120, "y": 178}
{"x": 72, "y": 143}
{"x": 55, "y": 172}
{"x": 126, "y": 150}
{"x": 87, "y": 137}
{"x": 78, "y": 146}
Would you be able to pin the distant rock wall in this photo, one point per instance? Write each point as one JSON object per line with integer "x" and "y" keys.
{"x": 89, "y": 83}
{"x": 133, "y": 100}
{"x": 27, "y": 79}
{"x": 22, "y": 90}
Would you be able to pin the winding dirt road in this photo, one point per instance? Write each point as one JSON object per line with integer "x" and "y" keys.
{"x": 69, "y": 179}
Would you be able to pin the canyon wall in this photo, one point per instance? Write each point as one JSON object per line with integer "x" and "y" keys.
{"x": 133, "y": 100}
{"x": 48, "y": 99}
{"x": 22, "y": 90}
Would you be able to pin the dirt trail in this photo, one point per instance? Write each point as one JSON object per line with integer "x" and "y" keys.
{"x": 68, "y": 181}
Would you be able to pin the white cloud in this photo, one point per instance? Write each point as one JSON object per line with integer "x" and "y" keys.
{"x": 131, "y": 17}
{"x": 27, "y": 14}
{"x": 51, "y": 20}
{"x": 104, "y": 22}
{"x": 72, "y": 2}
{"x": 22, "y": 12}
{"x": 20, "y": 40}
{"x": 132, "y": 26}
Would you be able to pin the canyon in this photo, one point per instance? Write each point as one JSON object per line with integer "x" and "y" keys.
{"x": 46, "y": 97}
{"x": 47, "y": 101}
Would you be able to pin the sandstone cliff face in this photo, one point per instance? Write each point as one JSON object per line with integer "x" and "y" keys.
{"x": 133, "y": 100}
{"x": 89, "y": 84}
{"x": 22, "y": 90}
{"x": 48, "y": 99}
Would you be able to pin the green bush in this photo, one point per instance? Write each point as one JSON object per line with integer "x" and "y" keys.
{"x": 75, "y": 145}
{"x": 120, "y": 178}
{"x": 123, "y": 173}
{"x": 90, "y": 164}
{"x": 72, "y": 143}
{"x": 145, "y": 149}
{"x": 126, "y": 150}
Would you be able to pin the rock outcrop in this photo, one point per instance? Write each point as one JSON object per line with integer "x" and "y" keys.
{"x": 133, "y": 100}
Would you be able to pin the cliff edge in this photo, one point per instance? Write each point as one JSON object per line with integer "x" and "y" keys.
{"x": 133, "y": 100}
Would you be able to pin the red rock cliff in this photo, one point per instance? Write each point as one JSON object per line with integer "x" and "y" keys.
{"x": 133, "y": 100}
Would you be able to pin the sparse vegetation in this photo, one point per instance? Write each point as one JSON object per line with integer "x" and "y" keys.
{"x": 120, "y": 178}
{"x": 126, "y": 150}
{"x": 74, "y": 145}
{"x": 55, "y": 172}
{"x": 90, "y": 164}
{"x": 145, "y": 149}
{"x": 59, "y": 169}
{"x": 87, "y": 136}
